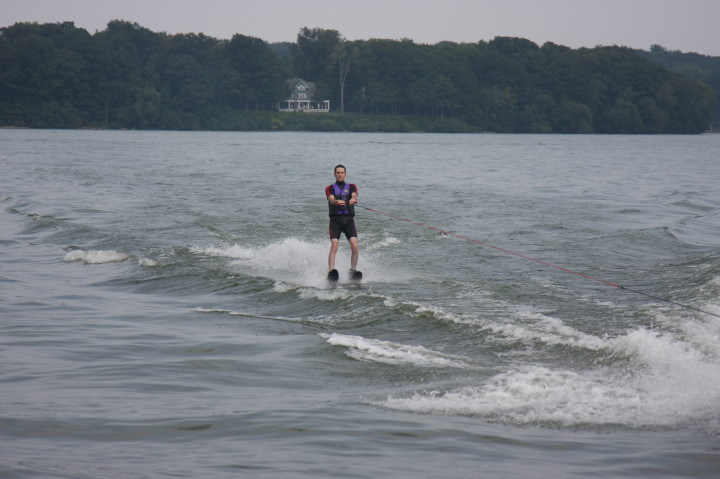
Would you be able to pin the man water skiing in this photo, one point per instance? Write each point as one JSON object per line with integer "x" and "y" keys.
{"x": 342, "y": 197}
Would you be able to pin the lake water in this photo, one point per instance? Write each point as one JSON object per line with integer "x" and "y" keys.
{"x": 164, "y": 312}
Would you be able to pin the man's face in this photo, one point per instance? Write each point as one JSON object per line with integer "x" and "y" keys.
{"x": 340, "y": 174}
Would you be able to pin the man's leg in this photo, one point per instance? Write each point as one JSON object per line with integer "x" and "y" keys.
{"x": 355, "y": 254}
{"x": 334, "y": 244}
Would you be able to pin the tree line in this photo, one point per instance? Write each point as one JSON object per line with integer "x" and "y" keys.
{"x": 703, "y": 68}
{"x": 59, "y": 76}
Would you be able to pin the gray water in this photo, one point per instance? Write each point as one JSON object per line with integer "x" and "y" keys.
{"x": 164, "y": 312}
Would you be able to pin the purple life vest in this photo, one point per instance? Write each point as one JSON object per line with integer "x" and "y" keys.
{"x": 342, "y": 193}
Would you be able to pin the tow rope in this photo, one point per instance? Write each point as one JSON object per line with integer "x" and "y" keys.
{"x": 545, "y": 263}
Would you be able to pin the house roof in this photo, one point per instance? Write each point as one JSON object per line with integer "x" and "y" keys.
{"x": 294, "y": 82}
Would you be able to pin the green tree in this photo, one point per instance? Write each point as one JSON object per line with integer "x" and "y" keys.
{"x": 344, "y": 55}
{"x": 259, "y": 73}
{"x": 314, "y": 58}
{"x": 623, "y": 117}
{"x": 116, "y": 70}
{"x": 572, "y": 117}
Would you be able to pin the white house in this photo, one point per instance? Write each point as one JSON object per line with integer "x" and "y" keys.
{"x": 302, "y": 98}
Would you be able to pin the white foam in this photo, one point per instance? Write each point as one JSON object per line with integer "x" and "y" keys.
{"x": 546, "y": 329}
{"x": 654, "y": 349}
{"x": 282, "y": 287}
{"x": 711, "y": 305}
{"x": 415, "y": 309}
{"x": 704, "y": 333}
{"x": 301, "y": 262}
{"x": 383, "y": 243}
{"x": 522, "y": 324}
{"x": 667, "y": 377}
{"x": 200, "y": 309}
{"x": 387, "y": 352}
{"x": 95, "y": 256}
{"x": 664, "y": 379}
{"x": 147, "y": 262}
{"x": 325, "y": 294}
{"x": 230, "y": 251}
{"x": 532, "y": 395}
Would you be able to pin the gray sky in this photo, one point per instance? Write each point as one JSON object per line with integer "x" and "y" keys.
{"x": 686, "y": 25}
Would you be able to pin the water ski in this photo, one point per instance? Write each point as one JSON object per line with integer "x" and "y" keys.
{"x": 333, "y": 275}
{"x": 355, "y": 275}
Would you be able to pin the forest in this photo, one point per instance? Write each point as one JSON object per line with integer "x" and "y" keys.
{"x": 56, "y": 75}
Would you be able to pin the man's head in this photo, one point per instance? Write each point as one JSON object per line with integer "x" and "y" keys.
{"x": 340, "y": 173}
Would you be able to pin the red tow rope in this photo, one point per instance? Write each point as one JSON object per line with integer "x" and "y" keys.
{"x": 545, "y": 263}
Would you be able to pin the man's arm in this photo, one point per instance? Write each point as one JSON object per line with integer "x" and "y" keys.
{"x": 333, "y": 201}
{"x": 331, "y": 198}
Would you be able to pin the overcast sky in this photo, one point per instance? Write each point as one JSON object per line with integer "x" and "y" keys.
{"x": 685, "y": 25}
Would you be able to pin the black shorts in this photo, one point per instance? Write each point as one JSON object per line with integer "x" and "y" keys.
{"x": 342, "y": 224}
